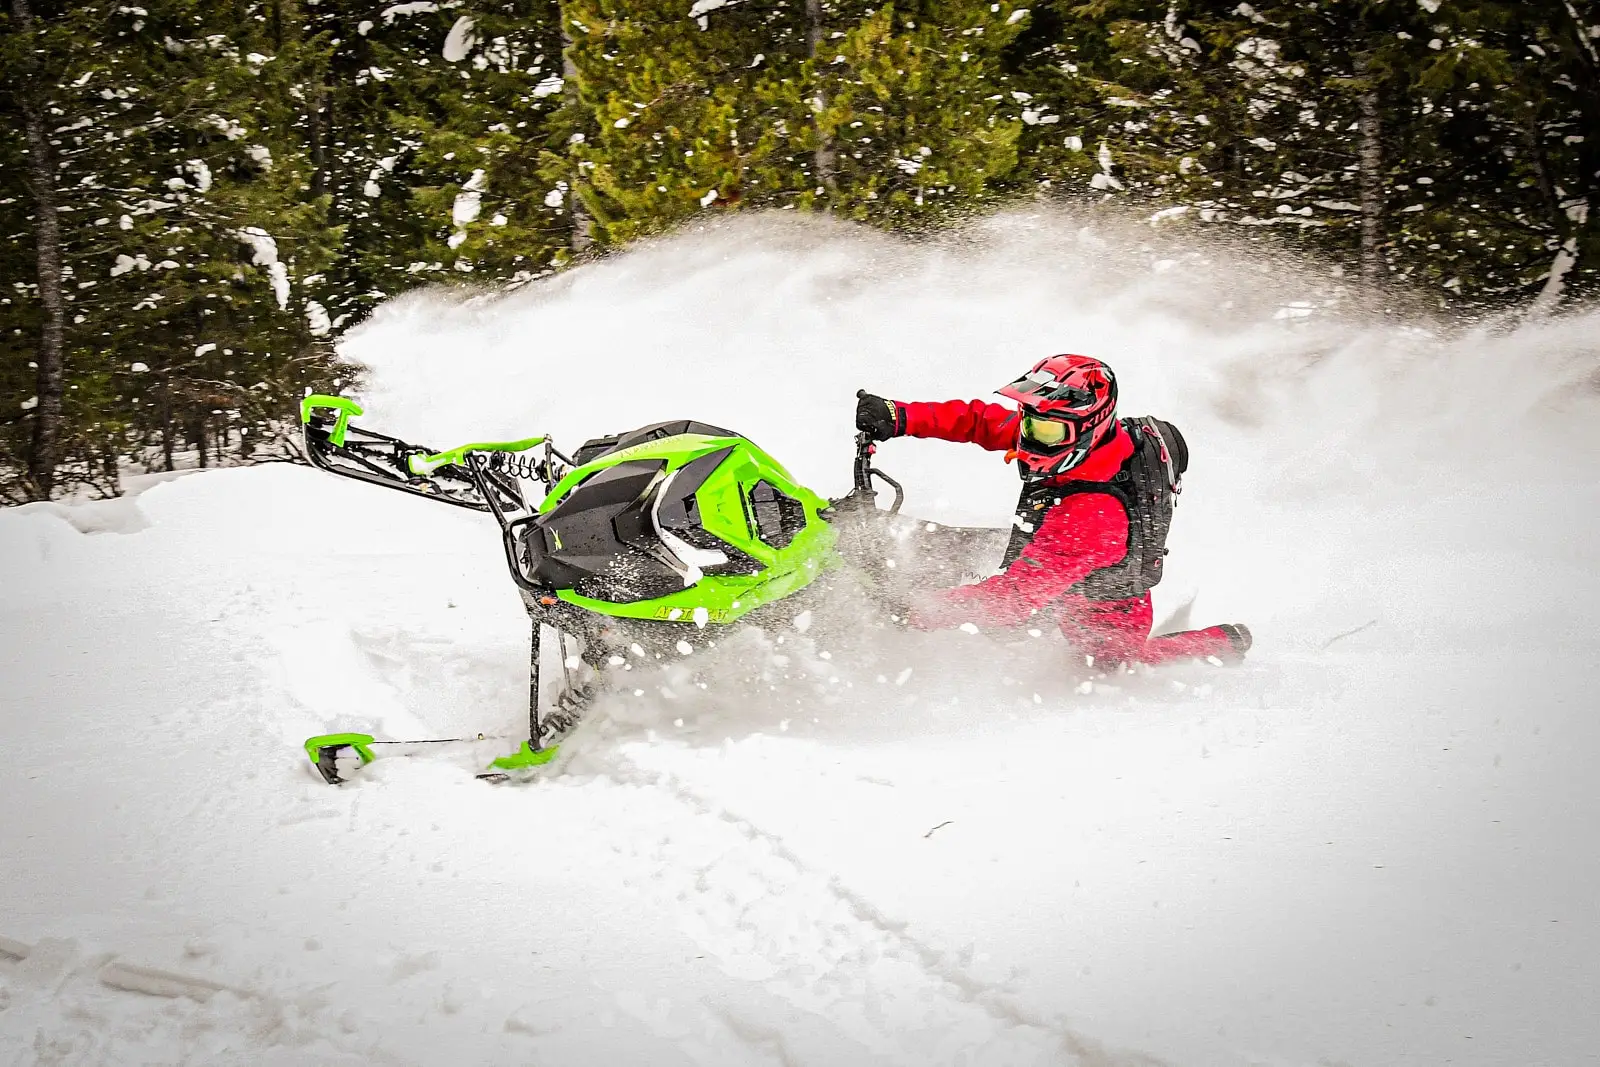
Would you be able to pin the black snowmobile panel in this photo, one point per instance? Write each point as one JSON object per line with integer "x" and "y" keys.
{"x": 599, "y": 541}
{"x": 679, "y": 512}
{"x": 593, "y": 449}
{"x": 778, "y": 516}
{"x": 622, "y": 484}
{"x": 679, "y": 509}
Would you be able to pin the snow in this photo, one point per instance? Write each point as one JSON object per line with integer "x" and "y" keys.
{"x": 264, "y": 253}
{"x": 1369, "y": 845}
{"x": 126, "y": 263}
{"x": 317, "y": 320}
{"x": 466, "y": 207}
{"x": 230, "y": 129}
{"x": 460, "y": 40}
{"x": 416, "y": 7}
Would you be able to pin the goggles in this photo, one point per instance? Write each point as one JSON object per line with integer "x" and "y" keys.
{"x": 1048, "y": 433}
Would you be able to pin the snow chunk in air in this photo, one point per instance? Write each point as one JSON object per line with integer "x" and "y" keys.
{"x": 264, "y": 253}
{"x": 317, "y": 320}
{"x": 460, "y": 41}
{"x": 416, "y": 8}
{"x": 469, "y": 201}
{"x": 201, "y": 172}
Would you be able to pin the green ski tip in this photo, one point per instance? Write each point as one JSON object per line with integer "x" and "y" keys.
{"x": 525, "y": 757}
{"x": 359, "y": 742}
{"x": 343, "y": 405}
{"x": 324, "y": 752}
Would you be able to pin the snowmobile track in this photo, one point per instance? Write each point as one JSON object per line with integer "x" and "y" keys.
{"x": 766, "y": 915}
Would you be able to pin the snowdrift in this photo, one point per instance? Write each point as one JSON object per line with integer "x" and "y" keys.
{"x": 1371, "y": 845}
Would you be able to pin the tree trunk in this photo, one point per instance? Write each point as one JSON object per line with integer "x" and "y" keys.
{"x": 1541, "y": 173}
{"x": 45, "y": 453}
{"x": 167, "y": 429}
{"x": 582, "y": 236}
{"x": 824, "y": 160}
{"x": 1580, "y": 30}
{"x": 1555, "y": 284}
{"x": 316, "y": 134}
{"x": 1372, "y": 200}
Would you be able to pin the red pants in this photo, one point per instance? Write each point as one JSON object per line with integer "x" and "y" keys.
{"x": 1118, "y": 631}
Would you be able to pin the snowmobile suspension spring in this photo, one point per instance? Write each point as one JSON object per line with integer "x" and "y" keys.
{"x": 513, "y": 463}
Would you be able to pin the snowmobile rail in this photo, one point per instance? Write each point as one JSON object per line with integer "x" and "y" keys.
{"x": 482, "y": 476}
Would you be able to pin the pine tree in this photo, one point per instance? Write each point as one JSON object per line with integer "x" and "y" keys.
{"x": 1506, "y": 105}
{"x": 888, "y": 114}
{"x": 693, "y": 107}
{"x": 426, "y": 125}
{"x": 1405, "y": 140}
{"x": 916, "y": 107}
{"x": 182, "y": 232}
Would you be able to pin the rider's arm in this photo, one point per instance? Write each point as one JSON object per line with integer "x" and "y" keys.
{"x": 991, "y": 426}
{"x": 1080, "y": 535}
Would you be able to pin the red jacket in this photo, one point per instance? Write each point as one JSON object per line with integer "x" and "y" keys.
{"x": 1083, "y": 533}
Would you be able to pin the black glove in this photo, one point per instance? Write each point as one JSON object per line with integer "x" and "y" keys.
{"x": 880, "y": 418}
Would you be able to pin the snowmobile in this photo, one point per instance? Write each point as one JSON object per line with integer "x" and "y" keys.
{"x": 648, "y": 544}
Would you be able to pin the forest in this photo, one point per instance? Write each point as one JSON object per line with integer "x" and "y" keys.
{"x": 200, "y": 196}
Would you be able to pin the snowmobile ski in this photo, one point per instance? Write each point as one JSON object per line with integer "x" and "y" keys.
{"x": 337, "y": 757}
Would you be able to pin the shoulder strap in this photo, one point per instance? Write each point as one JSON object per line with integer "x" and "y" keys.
{"x": 1171, "y": 449}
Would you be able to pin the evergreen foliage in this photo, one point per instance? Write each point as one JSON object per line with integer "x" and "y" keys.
{"x": 185, "y": 237}
{"x": 199, "y": 197}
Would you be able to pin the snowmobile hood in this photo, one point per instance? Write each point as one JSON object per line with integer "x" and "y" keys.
{"x": 689, "y": 526}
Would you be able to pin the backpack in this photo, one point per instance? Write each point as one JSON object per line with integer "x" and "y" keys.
{"x": 1147, "y": 484}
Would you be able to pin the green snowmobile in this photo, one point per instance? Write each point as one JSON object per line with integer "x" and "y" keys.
{"x": 643, "y": 543}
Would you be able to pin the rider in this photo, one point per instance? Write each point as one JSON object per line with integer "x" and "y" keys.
{"x": 1091, "y": 525}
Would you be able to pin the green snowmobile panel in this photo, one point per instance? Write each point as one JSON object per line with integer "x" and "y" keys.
{"x": 690, "y": 527}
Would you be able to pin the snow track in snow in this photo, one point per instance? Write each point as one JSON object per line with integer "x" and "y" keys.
{"x": 768, "y": 917}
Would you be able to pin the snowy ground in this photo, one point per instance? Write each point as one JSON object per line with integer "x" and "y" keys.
{"x": 1374, "y": 844}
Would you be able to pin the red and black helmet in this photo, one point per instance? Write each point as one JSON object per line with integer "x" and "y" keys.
{"x": 1069, "y": 406}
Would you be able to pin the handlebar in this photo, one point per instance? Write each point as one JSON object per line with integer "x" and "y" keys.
{"x": 864, "y": 472}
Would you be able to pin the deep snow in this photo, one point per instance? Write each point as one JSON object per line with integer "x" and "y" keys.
{"x": 1373, "y": 844}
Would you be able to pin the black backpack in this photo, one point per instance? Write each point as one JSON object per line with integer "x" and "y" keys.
{"x": 1147, "y": 484}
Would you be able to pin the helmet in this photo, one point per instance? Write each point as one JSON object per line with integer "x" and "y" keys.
{"x": 1069, "y": 406}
